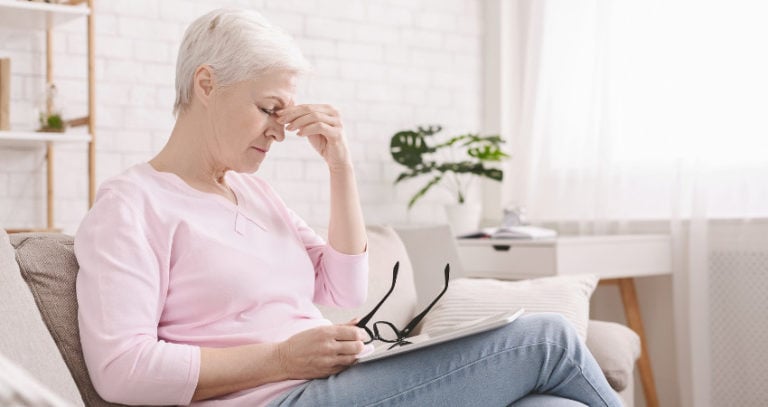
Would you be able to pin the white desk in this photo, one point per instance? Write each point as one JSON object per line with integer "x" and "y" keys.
{"x": 616, "y": 259}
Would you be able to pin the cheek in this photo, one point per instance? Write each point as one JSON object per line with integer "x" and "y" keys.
{"x": 246, "y": 122}
{"x": 236, "y": 116}
{"x": 254, "y": 121}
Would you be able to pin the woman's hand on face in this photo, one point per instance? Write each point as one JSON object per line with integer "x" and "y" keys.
{"x": 320, "y": 352}
{"x": 322, "y": 125}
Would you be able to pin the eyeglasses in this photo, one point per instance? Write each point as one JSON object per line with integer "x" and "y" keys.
{"x": 387, "y": 332}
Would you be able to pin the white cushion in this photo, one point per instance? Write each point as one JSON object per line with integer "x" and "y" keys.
{"x": 19, "y": 388}
{"x": 468, "y": 299}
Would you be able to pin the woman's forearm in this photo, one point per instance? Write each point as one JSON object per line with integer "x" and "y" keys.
{"x": 315, "y": 353}
{"x": 346, "y": 229}
{"x": 227, "y": 370}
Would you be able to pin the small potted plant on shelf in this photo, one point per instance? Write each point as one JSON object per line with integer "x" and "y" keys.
{"x": 51, "y": 123}
{"x": 50, "y": 118}
{"x": 452, "y": 163}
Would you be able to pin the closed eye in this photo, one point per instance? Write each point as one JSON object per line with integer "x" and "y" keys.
{"x": 269, "y": 112}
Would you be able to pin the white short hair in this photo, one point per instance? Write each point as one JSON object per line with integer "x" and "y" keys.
{"x": 238, "y": 45}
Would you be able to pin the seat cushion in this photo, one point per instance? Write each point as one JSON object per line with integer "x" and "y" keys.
{"x": 24, "y": 337}
{"x": 48, "y": 264}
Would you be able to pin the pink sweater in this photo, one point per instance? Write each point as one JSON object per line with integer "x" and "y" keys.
{"x": 166, "y": 269}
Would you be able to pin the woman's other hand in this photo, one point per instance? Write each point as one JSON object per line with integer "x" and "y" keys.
{"x": 320, "y": 352}
{"x": 322, "y": 125}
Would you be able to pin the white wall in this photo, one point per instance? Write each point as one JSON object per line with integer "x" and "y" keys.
{"x": 387, "y": 65}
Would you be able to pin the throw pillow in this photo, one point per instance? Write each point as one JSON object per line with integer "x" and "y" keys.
{"x": 468, "y": 299}
{"x": 48, "y": 264}
{"x": 24, "y": 336}
{"x": 616, "y": 348}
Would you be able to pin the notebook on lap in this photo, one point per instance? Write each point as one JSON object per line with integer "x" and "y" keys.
{"x": 382, "y": 350}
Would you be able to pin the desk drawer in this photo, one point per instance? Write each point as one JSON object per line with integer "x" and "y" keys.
{"x": 506, "y": 261}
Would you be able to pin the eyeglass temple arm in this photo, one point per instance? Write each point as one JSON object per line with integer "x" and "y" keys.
{"x": 415, "y": 321}
{"x": 364, "y": 321}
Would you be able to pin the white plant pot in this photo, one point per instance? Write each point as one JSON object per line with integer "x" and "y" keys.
{"x": 464, "y": 218}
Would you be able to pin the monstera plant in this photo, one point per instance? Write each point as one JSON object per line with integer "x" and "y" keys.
{"x": 449, "y": 162}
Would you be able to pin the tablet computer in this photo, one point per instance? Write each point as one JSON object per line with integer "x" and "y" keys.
{"x": 424, "y": 340}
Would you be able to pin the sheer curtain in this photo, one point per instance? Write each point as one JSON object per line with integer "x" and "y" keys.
{"x": 621, "y": 112}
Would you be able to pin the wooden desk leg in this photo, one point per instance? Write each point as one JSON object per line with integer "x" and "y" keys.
{"x": 635, "y": 322}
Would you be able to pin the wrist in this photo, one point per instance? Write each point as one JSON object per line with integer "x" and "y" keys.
{"x": 341, "y": 168}
{"x": 280, "y": 358}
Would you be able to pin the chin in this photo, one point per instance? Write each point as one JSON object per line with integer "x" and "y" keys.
{"x": 250, "y": 167}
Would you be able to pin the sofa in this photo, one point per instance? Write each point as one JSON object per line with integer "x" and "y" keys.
{"x": 39, "y": 340}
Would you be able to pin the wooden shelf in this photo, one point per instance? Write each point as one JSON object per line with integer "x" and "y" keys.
{"x": 41, "y": 16}
{"x": 33, "y": 230}
{"x": 30, "y": 16}
{"x": 32, "y": 139}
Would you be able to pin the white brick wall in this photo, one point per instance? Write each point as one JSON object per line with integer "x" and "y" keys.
{"x": 387, "y": 65}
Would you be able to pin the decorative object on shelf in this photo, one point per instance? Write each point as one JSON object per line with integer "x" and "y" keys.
{"x": 5, "y": 93}
{"x": 452, "y": 163}
{"x": 51, "y": 123}
{"x": 50, "y": 117}
{"x": 514, "y": 215}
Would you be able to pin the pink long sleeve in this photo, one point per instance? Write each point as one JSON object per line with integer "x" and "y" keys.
{"x": 166, "y": 269}
{"x": 337, "y": 281}
{"x": 121, "y": 291}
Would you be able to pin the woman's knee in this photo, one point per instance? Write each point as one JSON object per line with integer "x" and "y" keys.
{"x": 549, "y": 324}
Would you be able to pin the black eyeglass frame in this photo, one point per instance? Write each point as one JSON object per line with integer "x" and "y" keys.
{"x": 405, "y": 332}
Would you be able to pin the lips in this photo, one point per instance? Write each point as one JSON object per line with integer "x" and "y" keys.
{"x": 263, "y": 150}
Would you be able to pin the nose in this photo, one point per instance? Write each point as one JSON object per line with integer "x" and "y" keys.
{"x": 276, "y": 130}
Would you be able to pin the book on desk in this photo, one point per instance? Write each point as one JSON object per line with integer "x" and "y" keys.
{"x": 511, "y": 232}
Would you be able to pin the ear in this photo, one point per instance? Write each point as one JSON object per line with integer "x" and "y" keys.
{"x": 203, "y": 84}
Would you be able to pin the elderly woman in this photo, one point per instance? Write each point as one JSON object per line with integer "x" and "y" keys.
{"x": 197, "y": 284}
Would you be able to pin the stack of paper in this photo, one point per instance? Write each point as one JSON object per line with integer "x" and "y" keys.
{"x": 512, "y": 232}
{"x": 522, "y": 232}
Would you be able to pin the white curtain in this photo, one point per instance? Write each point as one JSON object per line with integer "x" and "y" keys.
{"x": 626, "y": 111}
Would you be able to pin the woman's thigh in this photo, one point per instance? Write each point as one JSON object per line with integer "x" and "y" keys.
{"x": 497, "y": 368}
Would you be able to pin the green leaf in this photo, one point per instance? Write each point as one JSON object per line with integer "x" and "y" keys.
{"x": 408, "y": 147}
{"x": 424, "y": 190}
{"x": 469, "y": 167}
{"x": 487, "y": 153}
{"x": 55, "y": 122}
{"x": 453, "y": 140}
{"x": 425, "y": 169}
{"x": 429, "y": 130}
{"x": 494, "y": 174}
{"x": 475, "y": 138}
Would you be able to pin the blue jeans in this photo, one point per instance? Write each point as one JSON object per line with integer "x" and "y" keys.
{"x": 538, "y": 356}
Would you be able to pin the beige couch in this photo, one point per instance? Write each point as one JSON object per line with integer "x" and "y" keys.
{"x": 38, "y": 310}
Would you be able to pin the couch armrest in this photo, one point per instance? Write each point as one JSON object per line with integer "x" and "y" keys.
{"x": 616, "y": 348}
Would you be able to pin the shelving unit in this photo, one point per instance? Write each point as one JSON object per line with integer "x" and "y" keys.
{"x": 38, "y": 16}
{"x": 33, "y": 138}
{"x": 23, "y": 15}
